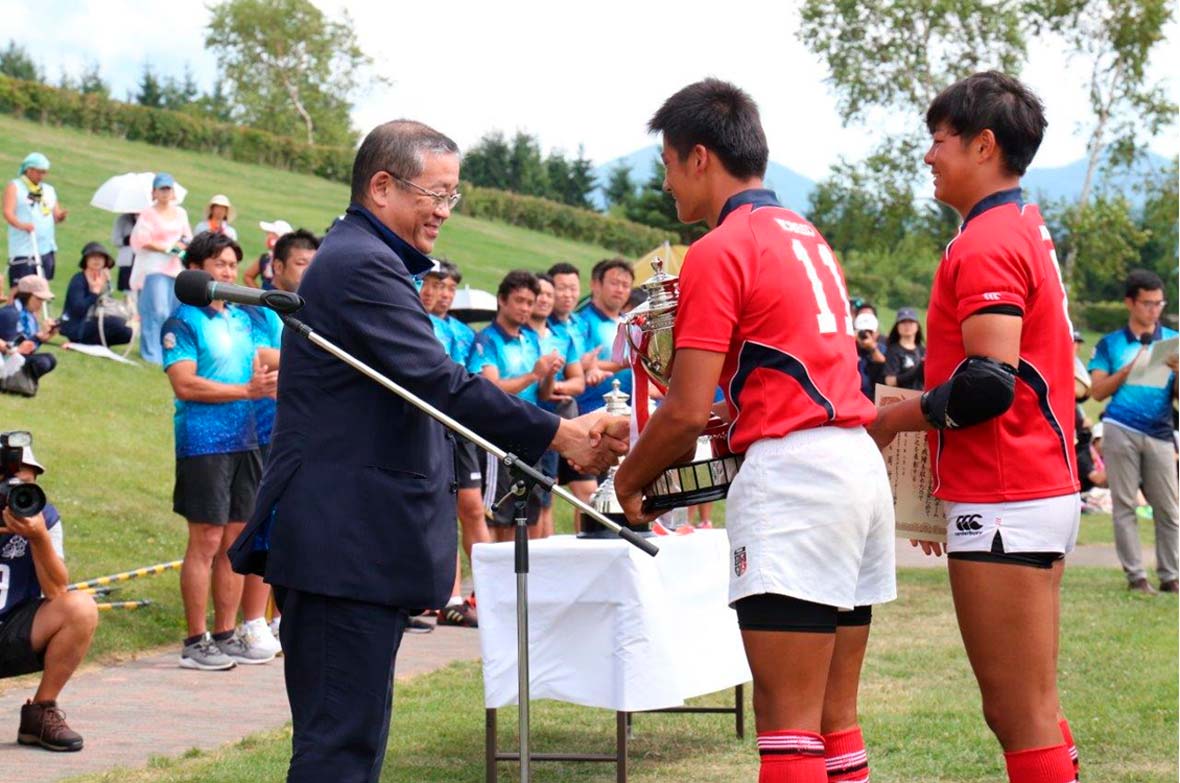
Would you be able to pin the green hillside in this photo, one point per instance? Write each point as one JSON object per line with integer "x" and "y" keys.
{"x": 105, "y": 430}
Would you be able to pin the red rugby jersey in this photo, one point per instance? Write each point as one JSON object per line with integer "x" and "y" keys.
{"x": 1004, "y": 255}
{"x": 764, "y": 288}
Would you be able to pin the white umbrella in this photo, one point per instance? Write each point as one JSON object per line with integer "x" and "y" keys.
{"x": 472, "y": 304}
{"x": 130, "y": 192}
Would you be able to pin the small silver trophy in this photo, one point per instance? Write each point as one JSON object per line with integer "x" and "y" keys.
{"x": 603, "y": 500}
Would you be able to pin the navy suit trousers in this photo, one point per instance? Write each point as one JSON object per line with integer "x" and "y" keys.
{"x": 339, "y": 660}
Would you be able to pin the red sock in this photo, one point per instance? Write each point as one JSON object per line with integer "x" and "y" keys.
{"x": 1040, "y": 765}
{"x": 1067, "y": 735}
{"x": 791, "y": 757}
{"x": 845, "y": 757}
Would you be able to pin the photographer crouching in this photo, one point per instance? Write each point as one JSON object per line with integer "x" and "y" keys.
{"x": 43, "y": 627}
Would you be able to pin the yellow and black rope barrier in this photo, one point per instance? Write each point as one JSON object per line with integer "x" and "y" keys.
{"x": 159, "y": 568}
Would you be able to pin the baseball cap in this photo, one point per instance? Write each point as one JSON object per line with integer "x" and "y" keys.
{"x": 36, "y": 285}
{"x": 866, "y": 321}
{"x": 34, "y": 160}
{"x": 163, "y": 180}
{"x": 278, "y": 227}
{"x": 27, "y": 458}
{"x": 906, "y": 314}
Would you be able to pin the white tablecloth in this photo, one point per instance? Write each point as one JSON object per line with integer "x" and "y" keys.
{"x": 610, "y": 626}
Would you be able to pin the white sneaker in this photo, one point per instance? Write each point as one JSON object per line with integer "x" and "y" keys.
{"x": 258, "y": 634}
{"x": 242, "y": 648}
{"x": 274, "y": 626}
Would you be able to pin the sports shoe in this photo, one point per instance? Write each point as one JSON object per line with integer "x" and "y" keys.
{"x": 274, "y": 626}
{"x": 204, "y": 654}
{"x": 258, "y": 634}
{"x": 43, "y": 723}
{"x": 418, "y": 625}
{"x": 460, "y": 614}
{"x": 245, "y": 649}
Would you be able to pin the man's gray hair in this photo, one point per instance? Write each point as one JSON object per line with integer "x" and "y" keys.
{"x": 396, "y": 147}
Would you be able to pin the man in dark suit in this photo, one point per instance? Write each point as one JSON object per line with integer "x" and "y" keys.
{"x": 357, "y": 501}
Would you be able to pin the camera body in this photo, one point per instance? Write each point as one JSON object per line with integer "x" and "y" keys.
{"x": 864, "y": 334}
{"x": 23, "y": 498}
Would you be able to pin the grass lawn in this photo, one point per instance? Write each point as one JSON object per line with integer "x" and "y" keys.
{"x": 919, "y": 704}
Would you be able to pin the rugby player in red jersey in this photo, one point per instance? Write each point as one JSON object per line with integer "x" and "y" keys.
{"x": 999, "y": 407}
{"x": 763, "y": 312}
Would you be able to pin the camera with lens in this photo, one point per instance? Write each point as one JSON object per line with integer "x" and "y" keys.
{"x": 23, "y": 498}
{"x": 864, "y": 334}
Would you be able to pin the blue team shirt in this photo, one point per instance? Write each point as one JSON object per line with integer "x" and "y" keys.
{"x": 18, "y": 573}
{"x": 511, "y": 356}
{"x": 456, "y": 337}
{"x": 1145, "y": 409}
{"x": 267, "y": 330}
{"x": 222, "y": 345}
{"x": 597, "y": 331}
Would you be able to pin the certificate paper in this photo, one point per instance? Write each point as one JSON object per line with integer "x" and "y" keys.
{"x": 1152, "y": 368}
{"x": 907, "y": 459}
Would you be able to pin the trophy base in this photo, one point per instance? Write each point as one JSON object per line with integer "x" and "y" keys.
{"x": 594, "y": 529}
{"x": 703, "y": 481}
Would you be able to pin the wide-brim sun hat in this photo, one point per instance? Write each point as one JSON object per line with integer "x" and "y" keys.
{"x": 221, "y": 200}
{"x": 95, "y": 249}
{"x": 277, "y": 227}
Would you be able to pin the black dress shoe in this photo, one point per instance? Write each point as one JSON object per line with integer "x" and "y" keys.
{"x": 1170, "y": 586}
{"x": 1141, "y": 586}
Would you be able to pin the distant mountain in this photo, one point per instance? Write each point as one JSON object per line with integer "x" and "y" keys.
{"x": 792, "y": 188}
{"x": 1066, "y": 181}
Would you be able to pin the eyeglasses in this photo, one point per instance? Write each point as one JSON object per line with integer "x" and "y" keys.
{"x": 451, "y": 200}
{"x": 1152, "y": 305}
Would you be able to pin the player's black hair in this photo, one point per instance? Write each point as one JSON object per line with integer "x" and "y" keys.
{"x": 300, "y": 238}
{"x": 720, "y": 117}
{"x": 545, "y": 276}
{"x": 1142, "y": 280}
{"x": 598, "y": 274}
{"x": 997, "y": 102}
{"x": 450, "y": 270}
{"x": 564, "y": 268}
{"x": 206, "y": 245}
{"x": 517, "y": 278}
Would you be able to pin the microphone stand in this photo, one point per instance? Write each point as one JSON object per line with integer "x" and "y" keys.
{"x": 525, "y": 477}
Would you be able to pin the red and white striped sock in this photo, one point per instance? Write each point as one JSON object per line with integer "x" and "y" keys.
{"x": 791, "y": 757}
{"x": 845, "y": 756}
{"x": 1040, "y": 765}
{"x": 1067, "y": 735}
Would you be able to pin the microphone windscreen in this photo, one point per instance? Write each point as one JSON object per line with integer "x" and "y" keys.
{"x": 192, "y": 287}
{"x": 1145, "y": 338}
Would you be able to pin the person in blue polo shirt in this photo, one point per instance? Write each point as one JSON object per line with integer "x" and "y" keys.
{"x": 610, "y": 286}
{"x": 212, "y": 364}
{"x": 568, "y": 383}
{"x": 1140, "y": 446}
{"x": 508, "y": 353}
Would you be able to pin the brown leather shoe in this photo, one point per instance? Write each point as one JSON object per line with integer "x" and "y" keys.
{"x": 1170, "y": 586}
{"x": 43, "y": 723}
{"x": 1141, "y": 586}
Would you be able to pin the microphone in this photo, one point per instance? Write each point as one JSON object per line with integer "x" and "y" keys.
{"x": 1146, "y": 338}
{"x": 195, "y": 287}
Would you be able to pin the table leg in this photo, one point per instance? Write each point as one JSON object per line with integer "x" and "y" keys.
{"x": 622, "y": 721}
{"x": 489, "y": 746}
{"x": 739, "y": 705}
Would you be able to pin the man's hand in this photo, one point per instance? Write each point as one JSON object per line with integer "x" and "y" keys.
{"x": 589, "y": 448}
{"x": 263, "y": 382}
{"x": 26, "y": 347}
{"x": 879, "y": 429}
{"x": 547, "y": 365}
{"x": 1173, "y": 362}
{"x": 631, "y": 500}
{"x": 29, "y": 528}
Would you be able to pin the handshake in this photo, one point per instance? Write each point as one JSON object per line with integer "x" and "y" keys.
{"x": 594, "y": 442}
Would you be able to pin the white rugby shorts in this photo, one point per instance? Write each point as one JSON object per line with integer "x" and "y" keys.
{"x": 810, "y": 516}
{"x": 1041, "y": 525}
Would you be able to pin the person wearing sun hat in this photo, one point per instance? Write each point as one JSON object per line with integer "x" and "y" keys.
{"x": 259, "y": 274}
{"x": 20, "y": 330}
{"x": 80, "y": 321}
{"x": 32, "y": 211}
{"x": 219, "y": 213}
{"x": 159, "y": 236}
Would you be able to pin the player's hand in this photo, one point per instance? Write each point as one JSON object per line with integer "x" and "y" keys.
{"x": 1173, "y": 362}
{"x": 29, "y": 528}
{"x": 880, "y": 431}
{"x": 573, "y": 441}
{"x": 27, "y": 347}
{"x": 596, "y": 375}
{"x": 263, "y": 382}
{"x": 631, "y": 500}
{"x": 929, "y": 547}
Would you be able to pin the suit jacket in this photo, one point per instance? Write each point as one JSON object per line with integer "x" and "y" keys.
{"x": 357, "y": 499}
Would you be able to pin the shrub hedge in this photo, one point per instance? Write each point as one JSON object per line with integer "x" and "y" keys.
{"x": 105, "y": 116}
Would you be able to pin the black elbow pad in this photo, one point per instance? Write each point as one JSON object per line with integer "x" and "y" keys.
{"x": 980, "y": 389}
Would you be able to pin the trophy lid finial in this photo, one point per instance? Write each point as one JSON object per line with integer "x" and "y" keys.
{"x": 616, "y": 400}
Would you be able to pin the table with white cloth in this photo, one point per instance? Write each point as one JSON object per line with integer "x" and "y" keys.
{"x": 611, "y": 627}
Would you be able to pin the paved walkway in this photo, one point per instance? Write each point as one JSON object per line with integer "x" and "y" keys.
{"x": 132, "y": 711}
{"x": 151, "y": 707}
